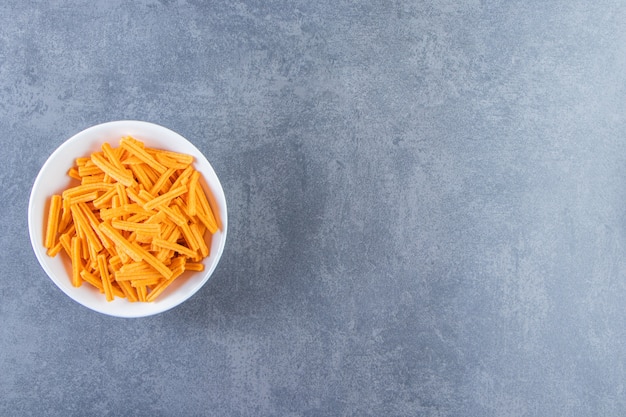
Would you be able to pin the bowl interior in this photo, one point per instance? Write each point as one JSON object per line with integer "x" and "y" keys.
{"x": 53, "y": 179}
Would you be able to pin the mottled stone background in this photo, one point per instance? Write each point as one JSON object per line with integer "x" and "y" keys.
{"x": 426, "y": 201}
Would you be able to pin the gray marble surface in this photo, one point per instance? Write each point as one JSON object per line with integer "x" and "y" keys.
{"x": 427, "y": 205}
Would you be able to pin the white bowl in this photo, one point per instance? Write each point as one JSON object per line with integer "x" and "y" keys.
{"x": 53, "y": 179}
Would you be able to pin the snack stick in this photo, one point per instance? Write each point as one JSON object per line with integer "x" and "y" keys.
{"x": 105, "y": 198}
{"x": 92, "y": 279}
{"x": 174, "y": 246}
{"x": 183, "y": 177}
{"x": 76, "y": 262}
{"x": 142, "y": 293}
{"x": 136, "y": 266}
{"x": 145, "y": 281}
{"x": 80, "y": 161}
{"x": 81, "y": 219}
{"x": 52, "y": 226}
{"x": 140, "y": 174}
{"x": 173, "y": 216}
{"x": 129, "y": 291}
{"x": 94, "y": 223}
{"x": 92, "y": 179}
{"x": 121, "y": 193}
{"x": 146, "y": 228}
{"x": 86, "y": 188}
{"x": 121, "y": 242}
{"x": 156, "y": 291}
{"x": 204, "y": 250}
{"x": 194, "y": 266}
{"x": 179, "y": 157}
{"x": 73, "y": 173}
{"x": 133, "y": 148}
{"x": 123, "y": 176}
{"x": 87, "y": 170}
{"x": 111, "y": 156}
{"x": 65, "y": 241}
{"x": 152, "y": 175}
{"x": 54, "y": 251}
{"x": 161, "y": 181}
{"x": 163, "y": 198}
{"x": 83, "y": 198}
{"x": 168, "y": 162}
{"x": 193, "y": 198}
{"x": 105, "y": 277}
{"x": 204, "y": 212}
{"x": 136, "y": 275}
{"x": 153, "y": 261}
{"x": 134, "y": 196}
{"x": 117, "y": 290}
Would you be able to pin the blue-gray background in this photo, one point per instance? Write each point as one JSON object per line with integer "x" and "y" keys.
{"x": 427, "y": 207}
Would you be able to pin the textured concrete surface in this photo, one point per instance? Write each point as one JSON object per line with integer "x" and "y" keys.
{"x": 427, "y": 207}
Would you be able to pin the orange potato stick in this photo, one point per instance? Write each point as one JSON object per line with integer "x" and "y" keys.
{"x": 121, "y": 192}
{"x": 146, "y": 228}
{"x": 194, "y": 266}
{"x": 124, "y": 257}
{"x": 142, "y": 293}
{"x": 204, "y": 212}
{"x": 105, "y": 277}
{"x": 189, "y": 237}
{"x": 111, "y": 156}
{"x": 191, "y": 203}
{"x": 140, "y": 174}
{"x": 133, "y": 148}
{"x": 152, "y": 175}
{"x": 65, "y": 241}
{"x": 129, "y": 291}
{"x": 54, "y": 251}
{"x": 135, "y": 275}
{"x": 204, "y": 250}
{"x": 177, "y": 218}
{"x": 80, "y": 218}
{"x": 179, "y": 157}
{"x": 105, "y": 198}
{"x": 123, "y": 176}
{"x": 52, "y": 226}
{"x": 83, "y": 198}
{"x": 136, "y": 266}
{"x": 165, "y": 198}
{"x": 137, "y": 218}
{"x": 91, "y": 179}
{"x": 66, "y": 215}
{"x": 117, "y": 290}
{"x": 88, "y": 170}
{"x": 94, "y": 223}
{"x": 86, "y": 188}
{"x": 145, "y": 281}
{"x": 82, "y": 160}
{"x": 169, "y": 162}
{"x": 161, "y": 181}
{"x": 183, "y": 178}
{"x": 121, "y": 242}
{"x": 77, "y": 265}
{"x": 73, "y": 173}
{"x": 156, "y": 291}
{"x": 116, "y": 262}
{"x": 134, "y": 196}
{"x": 174, "y": 246}
{"x": 153, "y": 261}
{"x": 132, "y": 160}
{"x": 92, "y": 279}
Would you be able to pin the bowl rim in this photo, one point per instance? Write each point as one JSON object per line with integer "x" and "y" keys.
{"x": 147, "y": 309}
